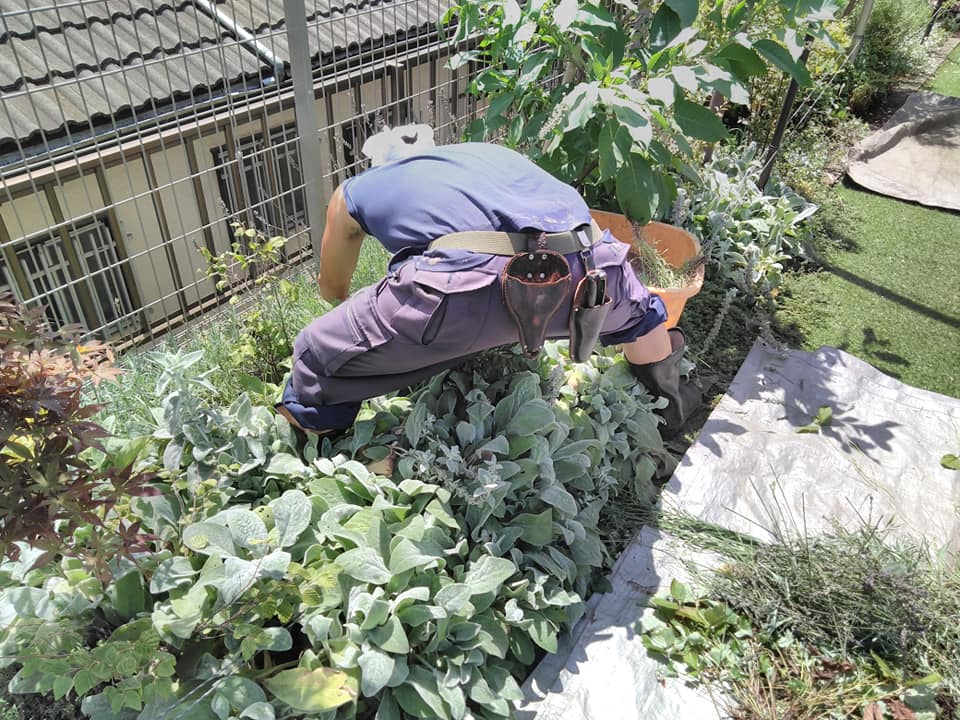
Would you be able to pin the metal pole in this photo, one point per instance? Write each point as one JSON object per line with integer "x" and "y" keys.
{"x": 784, "y": 118}
{"x": 295, "y": 16}
{"x": 861, "y": 29}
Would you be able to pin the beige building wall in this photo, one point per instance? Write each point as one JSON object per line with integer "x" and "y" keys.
{"x": 139, "y": 227}
{"x": 183, "y": 221}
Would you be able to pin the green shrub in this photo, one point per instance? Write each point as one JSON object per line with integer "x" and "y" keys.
{"x": 50, "y": 485}
{"x": 748, "y": 236}
{"x": 891, "y": 50}
{"x": 274, "y": 584}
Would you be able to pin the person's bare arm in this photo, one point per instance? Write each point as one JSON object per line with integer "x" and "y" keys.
{"x": 339, "y": 250}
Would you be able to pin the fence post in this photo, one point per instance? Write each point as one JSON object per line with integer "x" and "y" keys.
{"x": 301, "y": 71}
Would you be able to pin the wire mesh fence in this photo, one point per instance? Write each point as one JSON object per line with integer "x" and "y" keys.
{"x": 135, "y": 132}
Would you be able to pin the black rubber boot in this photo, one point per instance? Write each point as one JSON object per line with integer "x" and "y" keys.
{"x": 662, "y": 378}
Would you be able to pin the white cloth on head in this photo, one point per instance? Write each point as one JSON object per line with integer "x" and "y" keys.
{"x": 392, "y": 144}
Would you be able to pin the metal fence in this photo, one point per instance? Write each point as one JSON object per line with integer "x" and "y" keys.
{"x": 134, "y": 132}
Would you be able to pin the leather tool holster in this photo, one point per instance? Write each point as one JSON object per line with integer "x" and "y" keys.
{"x": 587, "y": 315}
{"x": 535, "y": 286}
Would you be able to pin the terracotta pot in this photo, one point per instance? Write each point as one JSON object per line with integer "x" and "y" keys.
{"x": 675, "y": 245}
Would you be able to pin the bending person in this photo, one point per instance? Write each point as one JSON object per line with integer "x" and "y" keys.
{"x": 442, "y": 301}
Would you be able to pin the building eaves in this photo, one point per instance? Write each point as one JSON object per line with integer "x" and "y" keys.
{"x": 82, "y": 66}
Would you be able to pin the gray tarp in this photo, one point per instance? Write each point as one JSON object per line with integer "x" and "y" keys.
{"x": 916, "y": 155}
{"x": 749, "y": 469}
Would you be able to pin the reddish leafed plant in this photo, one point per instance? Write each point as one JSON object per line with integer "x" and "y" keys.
{"x": 49, "y": 487}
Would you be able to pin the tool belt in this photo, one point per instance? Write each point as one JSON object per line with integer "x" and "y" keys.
{"x": 536, "y": 282}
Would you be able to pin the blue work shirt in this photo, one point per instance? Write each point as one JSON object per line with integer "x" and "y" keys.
{"x": 453, "y": 188}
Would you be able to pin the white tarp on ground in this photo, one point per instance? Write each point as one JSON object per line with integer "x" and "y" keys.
{"x": 916, "y": 155}
{"x": 878, "y": 457}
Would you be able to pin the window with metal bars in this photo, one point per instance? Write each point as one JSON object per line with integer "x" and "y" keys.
{"x": 51, "y": 279}
{"x": 264, "y": 186}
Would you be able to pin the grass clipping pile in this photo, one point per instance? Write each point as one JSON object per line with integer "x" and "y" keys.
{"x": 846, "y": 625}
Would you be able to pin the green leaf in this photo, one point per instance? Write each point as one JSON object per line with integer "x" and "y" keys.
{"x": 209, "y": 539}
{"x": 636, "y": 189}
{"x": 557, "y": 496}
{"x": 686, "y": 10}
{"x": 580, "y": 105}
{"x": 531, "y": 418}
{"x": 128, "y": 595}
{"x": 679, "y": 591}
{"x": 565, "y": 13}
{"x": 246, "y": 527}
{"x": 172, "y": 573}
{"x": 532, "y": 67}
{"x": 84, "y": 681}
{"x": 742, "y": 61}
{"x": 453, "y": 597}
{"x": 950, "y": 461}
{"x": 420, "y": 697}
{"x": 409, "y": 555}
{"x": 781, "y": 59}
{"x": 291, "y": 515}
{"x": 611, "y": 152}
{"x": 285, "y": 464}
{"x": 312, "y": 690}
{"x": 488, "y": 573}
{"x": 537, "y": 529}
{"x": 698, "y": 122}
{"x": 376, "y": 668}
{"x": 390, "y": 637}
{"x": 364, "y": 564}
{"x": 665, "y": 27}
{"x": 543, "y": 633}
{"x": 240, "y": 692}
{"x": 259, "y": 711}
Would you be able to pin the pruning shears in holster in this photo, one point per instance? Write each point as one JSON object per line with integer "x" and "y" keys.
{"x": 536, "y": 283}
{"x": 590, "y": 305}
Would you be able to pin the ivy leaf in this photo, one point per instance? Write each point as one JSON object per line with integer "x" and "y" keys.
{"x": 291, "y": 515}
{"x": 488, "y": 573}
{"x": 698, "y": 122}
{"x": 316, "y": 690}
{"x": 950, "y": 461}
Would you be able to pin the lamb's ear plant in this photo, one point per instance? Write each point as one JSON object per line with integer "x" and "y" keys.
{"x": 278, "y": 584}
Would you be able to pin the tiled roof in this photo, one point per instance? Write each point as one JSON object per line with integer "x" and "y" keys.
{"x": 77, "y": 61}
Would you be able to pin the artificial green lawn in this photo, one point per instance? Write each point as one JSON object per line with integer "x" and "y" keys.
{"x": 890, "y": 295}
{"x": 947, "y": 79}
